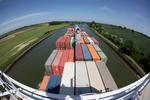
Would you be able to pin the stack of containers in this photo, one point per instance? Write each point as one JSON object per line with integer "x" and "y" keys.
{"x": 63, "y": 43}
{"x": 82, "y": 80}
{"x": 93, "y": 52}
{"x": 82, "y": 41}
{"x": 55, "y": 64}
{"x": 78, "y": 53}
{"x": 68, "y": 43}
{"x": 51, "y": 84}
{"x": 106, "y": 76}
{"x": 95, "y": 41}
{"x": 49, "y": 61}
{"x": 72, "y": 42}
{"x": 44, "y": 83}
{"x": 67, "y": 83}
{"x": 90, "y": 40}
{"x": 58, "y": 42}
{"x": 71, "y": 55}
{"x": 86, "y": 53}
{"x": 96, "y": 81}
{"x": 100, "y": 53}
{"x": 64, "y": 59}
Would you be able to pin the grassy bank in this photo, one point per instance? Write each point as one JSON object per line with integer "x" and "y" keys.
{"x": 14, "y": 47}
{"x": 127, "y": 58}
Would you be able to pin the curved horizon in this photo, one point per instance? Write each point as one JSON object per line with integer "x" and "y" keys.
{"x": 131, "y": 14}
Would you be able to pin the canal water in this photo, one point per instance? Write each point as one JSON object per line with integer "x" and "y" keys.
{"x": 30, "y": 69}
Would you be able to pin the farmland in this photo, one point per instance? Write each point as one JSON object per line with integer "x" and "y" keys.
{"x": 141, "y": 40}
{"x": 11, "y": 48}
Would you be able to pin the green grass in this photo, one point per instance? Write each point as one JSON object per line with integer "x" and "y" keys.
{"x": 8, "y": 49}
{"x": 142, "y": 41}
{"x": 134, "y": 64}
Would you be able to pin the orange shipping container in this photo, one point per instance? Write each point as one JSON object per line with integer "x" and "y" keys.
{"x": 71, "y": 55}
{"x": 82, "y": 41}
{"x": 69, "y": 29}
{"x": 44, "y": 83}
{"x": 93, "y": 52}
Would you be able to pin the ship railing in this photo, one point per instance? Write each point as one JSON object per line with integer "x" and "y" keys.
{"x": 127, "y": 92}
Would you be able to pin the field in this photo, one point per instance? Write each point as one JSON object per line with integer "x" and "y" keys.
{"x": 10, "y": 49}
{"x": 141, "y": 40}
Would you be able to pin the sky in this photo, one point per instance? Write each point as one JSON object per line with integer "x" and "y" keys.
{"x": 133, "y": 14}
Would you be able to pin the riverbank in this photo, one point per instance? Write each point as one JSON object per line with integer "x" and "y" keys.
{"x": 132, "y": 65}
{"x": 29, "y": 41}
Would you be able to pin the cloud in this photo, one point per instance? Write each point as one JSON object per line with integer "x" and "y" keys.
{"x": 107, "y": 9}
{"x": 23, "y": 17}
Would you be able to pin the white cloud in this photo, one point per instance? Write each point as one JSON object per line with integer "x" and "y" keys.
{"x": 23, "y": 17}
{"x": 107, "y": 9}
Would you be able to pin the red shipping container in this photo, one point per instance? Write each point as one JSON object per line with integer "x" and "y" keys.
{"x": 64, "y": 59}
{"x": 86, "y": 40}
{"x": 68, "y": 43}
{"x": 78, "y": 53}
{"x": 55, "y": 64}
{"x": 63, "y": 44}
{"x": 58, "y": 42}
{"x": 71, "y": 55}
{"x": 95, "y": 41}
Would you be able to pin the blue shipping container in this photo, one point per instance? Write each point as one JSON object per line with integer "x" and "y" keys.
{"x": 86, "y": 53}
{"x": 51, "y": 84}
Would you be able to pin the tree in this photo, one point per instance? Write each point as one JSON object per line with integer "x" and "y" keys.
{"x": 145, "y": 61}
{"x": 129, "y": 47}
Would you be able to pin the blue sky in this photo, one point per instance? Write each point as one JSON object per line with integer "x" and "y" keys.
{"x": 134, "y": 14}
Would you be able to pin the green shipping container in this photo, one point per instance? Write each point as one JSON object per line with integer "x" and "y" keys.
{"x": 97, "y": 48}
{"x": 72, "y": 42}
{"x": 102, "y": 56}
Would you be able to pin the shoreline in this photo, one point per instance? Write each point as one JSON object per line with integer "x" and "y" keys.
{"x": 8, "y": 68}
{"x": 130, "y": 66}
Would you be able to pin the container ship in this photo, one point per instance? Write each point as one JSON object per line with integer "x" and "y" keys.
{"x": 77, "y": 66}
{"x": 76, "y": 69}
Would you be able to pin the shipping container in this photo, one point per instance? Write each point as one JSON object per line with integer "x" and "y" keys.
{"x": 69, "y": 29}
{"x": 51, "y": 84}
{"x": 86, "y": 53}
{"x": 72, "y": 42}
{"x": 71, "y": 55}
{"x": 55, "y": 64}
{"x": 106, "y": 76}
{"x": 90, "y": 40}
{"x": 58, "y": 42}
{"x": 103, "y": 57}
{"x": 81, "y": 81}
{"x": 67, "y": 82}
{"x": 48, "y": 64}
{"x": 86, "y": 40}
{"x": 63, "y": 43}
{"x": 63, "y": 59}
{"x": 96, "y": 82}
{"x": 68, "y": 43}
{"x": 97, "y": 48}
{"x": 44, "y": 83}
{"x": 78, "y": 53}
{"x": 58, "y": 82}
{"x": 95, "y": 41}
{"x": 93, "y": 52}
{"x": 82, "y": 40}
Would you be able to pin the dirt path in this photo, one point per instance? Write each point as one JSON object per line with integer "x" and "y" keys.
{"x": 13, "y": 35}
